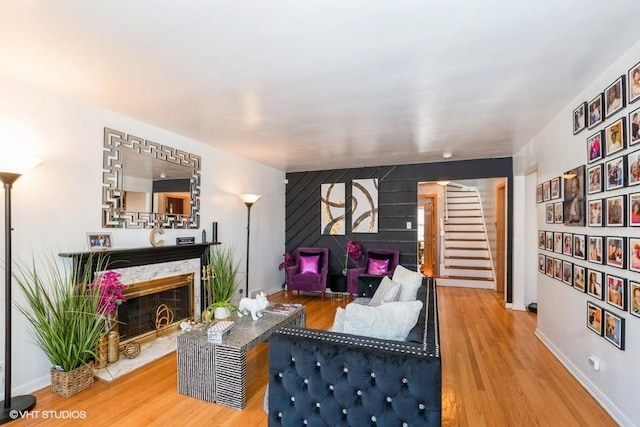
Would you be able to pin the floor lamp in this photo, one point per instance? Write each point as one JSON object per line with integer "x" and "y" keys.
{"x": 12, "y": 407}
{"x": 249, "y": 200}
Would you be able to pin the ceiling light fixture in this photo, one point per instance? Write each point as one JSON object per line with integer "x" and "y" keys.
{"x": 447, "y": 155}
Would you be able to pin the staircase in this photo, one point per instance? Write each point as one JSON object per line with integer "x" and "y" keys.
{"x": 466, "y": 256}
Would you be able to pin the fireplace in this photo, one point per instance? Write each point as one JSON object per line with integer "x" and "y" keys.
{"x": 137, "y": 314}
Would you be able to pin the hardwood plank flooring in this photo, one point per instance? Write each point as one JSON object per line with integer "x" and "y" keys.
{"x": 495, "y": 373}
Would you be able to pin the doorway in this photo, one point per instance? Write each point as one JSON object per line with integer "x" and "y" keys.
{"x": 501, "y": 194}
{"x": 429, "y": 240}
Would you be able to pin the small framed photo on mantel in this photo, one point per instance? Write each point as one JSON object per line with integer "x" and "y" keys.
{"x": 99, "y": 241}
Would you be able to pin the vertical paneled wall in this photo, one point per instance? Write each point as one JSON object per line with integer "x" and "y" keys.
{"x": 397, "y": 205}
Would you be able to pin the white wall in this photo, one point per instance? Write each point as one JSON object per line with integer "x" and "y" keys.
{"x": 561, "y": 309}
{"x": 57, "y": 203}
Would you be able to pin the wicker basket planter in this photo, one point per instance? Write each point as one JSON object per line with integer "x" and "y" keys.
{"x": 66, "y": 384}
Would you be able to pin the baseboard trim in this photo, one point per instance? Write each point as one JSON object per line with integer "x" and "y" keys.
{"x": 606, "y": 403}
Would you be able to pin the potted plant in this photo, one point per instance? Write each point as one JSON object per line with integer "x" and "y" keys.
{"x": 63, "y": 307}
{"x": 221, "y": 284}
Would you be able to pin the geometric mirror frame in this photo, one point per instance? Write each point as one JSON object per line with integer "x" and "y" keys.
{"x": 123, "y": 152}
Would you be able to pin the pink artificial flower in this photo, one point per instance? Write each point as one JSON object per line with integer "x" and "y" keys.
{"x": 110, "y": 291}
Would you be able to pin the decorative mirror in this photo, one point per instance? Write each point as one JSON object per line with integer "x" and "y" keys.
{"x": 146, "y": 184}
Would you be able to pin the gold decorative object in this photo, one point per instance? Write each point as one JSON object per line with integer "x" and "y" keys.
{"x": 131, "y": 350}
{"x": 102, "y": 352}
{"x": 66, "y": 384}
{"x": 164, "y": 318}
{"x": 153, "y": 236}
{"x": 113, "y": 341}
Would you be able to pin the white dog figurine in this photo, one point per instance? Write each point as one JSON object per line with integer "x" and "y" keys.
{"x": 253, "y": 306}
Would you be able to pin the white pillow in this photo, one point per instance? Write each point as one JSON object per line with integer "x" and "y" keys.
{"x": 409, "y": 281}
{"x": 338, "y": 320}
{"x": 390, "y": 321}
{"x": 388, "y": 291}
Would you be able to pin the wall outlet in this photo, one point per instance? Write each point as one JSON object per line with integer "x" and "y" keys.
{"x": 408, "y": 225}
{"x": 594, "y": 362}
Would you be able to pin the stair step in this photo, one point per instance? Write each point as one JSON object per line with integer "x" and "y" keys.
{"x": 449, "y": 239}
{"x": 464, "y": 282}
{"x": 468, "y": 267}
{"x": 465, "y": 248}
{"x": 468, "y": 257}
{"x": 478, "y": 279}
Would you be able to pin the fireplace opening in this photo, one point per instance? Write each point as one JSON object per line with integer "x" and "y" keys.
{"x": 137, "y": 314}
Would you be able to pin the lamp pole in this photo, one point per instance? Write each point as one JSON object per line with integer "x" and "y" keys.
{"x": 13, "y": 408}
{"x": 249, "y": 200}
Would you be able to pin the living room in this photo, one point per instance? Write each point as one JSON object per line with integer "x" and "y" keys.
{"x": 56, "y": 204}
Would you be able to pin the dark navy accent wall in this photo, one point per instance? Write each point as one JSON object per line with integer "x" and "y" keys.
{"x": 397, "y": 204}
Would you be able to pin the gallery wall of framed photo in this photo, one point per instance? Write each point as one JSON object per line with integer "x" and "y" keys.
{"x": 592, "y": 241}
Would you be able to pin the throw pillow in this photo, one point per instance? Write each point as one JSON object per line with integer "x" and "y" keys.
{"x": 338, "y": 320}
{"x": 309, "y": 264}
{"x": 388, "y": 291}
{"x": 391, "y": 321}
{"x": 409, "y": 280}
{"x": 377, "y": 266}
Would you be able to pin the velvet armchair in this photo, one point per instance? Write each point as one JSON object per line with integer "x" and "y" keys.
{"x": 310, "y": 271}
{"x": 376, "y": 262}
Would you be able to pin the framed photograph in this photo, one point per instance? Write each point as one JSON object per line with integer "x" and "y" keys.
{"x": 616, "y": 211}
{"x": 594, "y": 147}
{"x": 557, "y": 269}
{"x": 549, "y": 240}
{"x": 596, "y": 213}
{"x": 634, "y": 127}
{"x": 594, "y": 107}
{"x": 546, "y": 191}
{"x": 541, "y": 240}
{"x": 594, "y": 318}
{"x": 567, "y": 273}
{"x": 539, "y": 193}
{"x": 549, "y": 213}
{"x": 615, "y": 294}
{"x": 99, "y": 241}
{"x": 555, "y": 188}
{"x": 580, "y": 118}
{"x": 595, "y": 249}
{"x": 549, "y": 266}
{"x": 578, "y": 246}
{"x": 558, "y": 208}
{"x": 633, "y": 77}
{"x": 615, "y": 136}
{"x": 614, "y": 97}
{"x": 557, "y": 242}
{"x": 594, "y": 283}
{"x": 615, "y": 173}
{"x": 614, "y": 329}
{"x": 633, "y": 168}
{"x": 567, "y": 244}
{"x": 616, "y": 252}
{"x": 574, "y": 196}
{"x": 578, "y": 278}
{"x": 594, "y": 174}
{"x": 634, "y": 254}
{"x": 634, "y": 297}
{"x": 634, "y": 210}
{"x": 542, "y": 262}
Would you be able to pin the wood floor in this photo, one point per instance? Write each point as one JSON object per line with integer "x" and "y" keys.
{"x": 495, "y": 373}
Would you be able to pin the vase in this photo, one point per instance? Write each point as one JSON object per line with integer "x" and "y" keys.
{"x": 102, "y": 352}
{"x": 113, "y": 342}
{"x": 221, "y": 313}
{"x": 66, "y": 384}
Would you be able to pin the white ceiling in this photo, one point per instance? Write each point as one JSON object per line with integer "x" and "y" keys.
{"x": 307, "y": 85}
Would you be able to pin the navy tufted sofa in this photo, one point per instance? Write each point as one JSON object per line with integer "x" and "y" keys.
{"x": 321, "y": 378}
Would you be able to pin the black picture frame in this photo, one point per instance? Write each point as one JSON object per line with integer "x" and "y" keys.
{"x": 574, "y": 196}
{"x": 634, "y": 254}
{"x": 594, "y": 283}
{"x": 632, "y": 164}
{"x": 633, "y": 77}
{"x": 594, "y": 176}
{"x": 614, "y": 329}
{"x": 549, "y": 267}
{"x": 616, "y": 290}
{"x": 541, "y": 239}
{"x": 557, "y": 269}
{"x": 557, "y": 242}
{"x": 615, "y": 136}
{"x": 616, "y": 211}
{"x": 594, "y": 251}
{"x": 595, "y": 147}
{"x": 594, "y": 318}
{"x": 633, "y": 209}
{"x": 616, "y": 252}
{"x": 542, "y": 262}
{"x": 556, "y": 191}
{"x": 596, "y": 209}
{"x": 539, "y": 193}
{"x": 558, "y": 212}
{"x": 579, "y": 278}
{"x": 567, "y": 273}
{"x": 546, "y": 191}
{"x": 549, "y": 213}
{"x": 634, "y": 298}
{"x": 634, "y": 127}
{"x": 579, "y": 246}
{"x": 567, "y": 244}
{"x": 549, "y": 240}
{"x": 596, "y": 113}
{"x": 615, "y": 172}
{"x": 615, "y": 95}
{"x": 580, "y": 118}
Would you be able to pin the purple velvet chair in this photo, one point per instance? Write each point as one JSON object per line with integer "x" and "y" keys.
{"x": 373, "y": 260}
{"x": 310, "y": 270}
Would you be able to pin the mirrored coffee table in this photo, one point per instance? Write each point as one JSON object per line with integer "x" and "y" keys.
{"x": 218, "y": 372}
